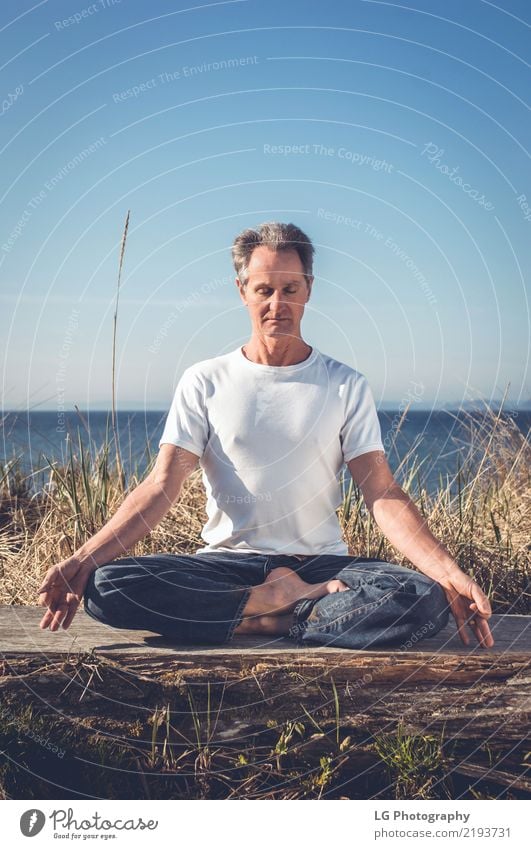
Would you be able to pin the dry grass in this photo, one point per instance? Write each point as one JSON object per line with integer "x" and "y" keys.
{"x": 483, "y": 516}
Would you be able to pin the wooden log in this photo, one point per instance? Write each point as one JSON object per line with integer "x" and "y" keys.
{"x": 476, "y": 706}
{"x": 110, "y": 682}
{"x": 20, "y": 634}
{"x": 484, "y": 772}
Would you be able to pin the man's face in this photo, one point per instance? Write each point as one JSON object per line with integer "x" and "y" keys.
{"x": 276, "y": 292}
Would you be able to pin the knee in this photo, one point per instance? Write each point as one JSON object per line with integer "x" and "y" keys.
{"x": 434, "y": 608}
{"x": 431, "y": 607}
{"x": 92, "y": 599}
{"x": 98, "y": 582}
{"x": 101, "y": 597}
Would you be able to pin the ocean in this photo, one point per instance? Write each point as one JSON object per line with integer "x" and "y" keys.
{"x": 440, "y": 439}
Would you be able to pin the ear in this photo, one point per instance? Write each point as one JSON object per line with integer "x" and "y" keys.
{"x": 309, "y": 282}
{"x": 241, "y": 290}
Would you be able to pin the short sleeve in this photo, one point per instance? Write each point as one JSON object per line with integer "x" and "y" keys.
{"x": 187, "y": 423}
{"x": 361, "y": 429}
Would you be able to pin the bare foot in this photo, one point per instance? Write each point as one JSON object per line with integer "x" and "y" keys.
{"x": 291, "y": 588}
{"x": 270, "y": 605}
{"x": 281, "y": 591}
{"x": 279, "y": 625}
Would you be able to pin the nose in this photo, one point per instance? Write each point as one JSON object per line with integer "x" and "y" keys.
{"x": 276, "y": 301}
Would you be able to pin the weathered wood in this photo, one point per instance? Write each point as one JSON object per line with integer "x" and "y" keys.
{"x": 422, "y": 687}
{"x": 89, "y": 684}
{"x": 431, "y": 661}
{"x": 20, "y": 633}
{"x": 497, "y": 776}
{"x": 110, "y": 682}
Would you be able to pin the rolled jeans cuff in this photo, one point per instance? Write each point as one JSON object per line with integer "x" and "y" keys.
{"x": 301, "y": 611}
{"x": 239, "y": 615}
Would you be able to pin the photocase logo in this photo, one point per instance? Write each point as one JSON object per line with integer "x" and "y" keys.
{"x": 32, "y": 822}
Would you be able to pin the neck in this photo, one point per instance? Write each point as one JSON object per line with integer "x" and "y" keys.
{"x": 273, "y": 351}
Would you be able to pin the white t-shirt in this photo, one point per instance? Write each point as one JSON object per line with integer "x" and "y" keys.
{"x": 272, "y": 442}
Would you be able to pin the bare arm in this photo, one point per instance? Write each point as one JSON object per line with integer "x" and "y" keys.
{"x": 144, "y": 507}
{"x": 142, "y": 510}
{"x": 397, "y": 516}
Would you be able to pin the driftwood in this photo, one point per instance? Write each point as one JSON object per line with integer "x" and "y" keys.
{"x": 107, "y": 681}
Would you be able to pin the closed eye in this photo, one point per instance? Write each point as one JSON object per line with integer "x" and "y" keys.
{"x": 291, "y": 291}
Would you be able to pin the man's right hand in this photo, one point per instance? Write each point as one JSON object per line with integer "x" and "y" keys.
{"x": 61, "y": 592}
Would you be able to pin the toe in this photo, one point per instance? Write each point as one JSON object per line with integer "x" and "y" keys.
{"x": 336, "y": 586}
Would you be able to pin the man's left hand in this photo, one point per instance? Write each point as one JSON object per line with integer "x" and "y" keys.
{"x": 469, "y": 606}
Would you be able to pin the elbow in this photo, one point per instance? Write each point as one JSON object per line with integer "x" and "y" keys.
{"x": 376, "y": 499}
{"x": 161, "y": 485}
{"x": 168, "y": 487}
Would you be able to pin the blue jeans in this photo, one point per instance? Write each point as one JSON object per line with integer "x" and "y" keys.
{"x": 200, "y": 598}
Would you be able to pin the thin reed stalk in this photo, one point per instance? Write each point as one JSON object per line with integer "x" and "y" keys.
{"x": 113, "y": 369}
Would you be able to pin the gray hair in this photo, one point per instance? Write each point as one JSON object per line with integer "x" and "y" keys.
{"x": 278, "y": 237}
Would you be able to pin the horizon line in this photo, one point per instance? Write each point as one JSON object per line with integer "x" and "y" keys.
{"x": 394, "y": 406}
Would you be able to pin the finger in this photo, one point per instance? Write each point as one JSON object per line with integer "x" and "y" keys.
{"x": 48, "y": 599}
{"x": 74, "y": 595}
{"x": 479, "y": 597}
{"x": 48, "y": 581}
{"x": 460, "y": 621}
{"x": 56, "y": 621}
{"x": 52, "y": 602}
{"x": 47, "y": 589}
{"x": 72, "y": 610}
{"x": 454, "y": 600}
{"x": 476, "y": 612}
{"x": 46, "y": 619}
{"x": 479, "y": 626}
{"x": 461, "y": 630}
{"x": 49, "y": 616}
{"x": 56, "y": 578}
{"x": 482, "y": 631}
{"x": 59, "y": 615}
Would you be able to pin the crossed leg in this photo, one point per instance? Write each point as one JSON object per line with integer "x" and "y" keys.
{"x": 270, "y": 605}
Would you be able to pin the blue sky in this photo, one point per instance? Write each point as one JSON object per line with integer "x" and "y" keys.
{"x": 394, "y": 135}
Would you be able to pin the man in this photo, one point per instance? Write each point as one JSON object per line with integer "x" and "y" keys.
{"x": 272, "y": 424}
